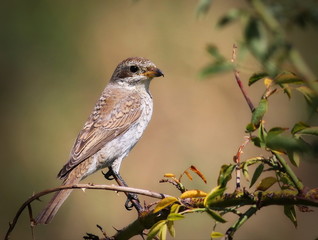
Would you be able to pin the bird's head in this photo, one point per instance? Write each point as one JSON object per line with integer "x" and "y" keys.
{"x": 135, "y": 71}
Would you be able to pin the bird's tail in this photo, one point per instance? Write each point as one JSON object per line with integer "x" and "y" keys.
{"x": 56, "y": 202}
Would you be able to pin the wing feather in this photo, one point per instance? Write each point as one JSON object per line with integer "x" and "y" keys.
{"x": 111, "y": 117}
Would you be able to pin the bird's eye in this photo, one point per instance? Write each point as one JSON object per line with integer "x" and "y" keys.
{"x": 134, "y": 69}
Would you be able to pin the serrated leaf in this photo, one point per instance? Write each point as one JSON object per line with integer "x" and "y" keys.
{"x": 174, "y": 216}
{"x": 225, "y": 174}
{"x": 155, "y": 229}
{"x": 287, "y": 77}
{"x": 215, "y": 192}
{"x": 229, "y": 17}
{"x": 289, "y": 211}
{"x": 165, "y": 203}
{"x": 217, "y": 217}
{"x": 256, "y": 77}
{"x": 298, "y": 127}
{"x": 257, "y": 173}
{"x": 172, "y": 231}
{"x": 216, "y": 235}
{"x": 195, "y": 170}
{"x": 193, "y": 194}
{"x": 266, "y": 183}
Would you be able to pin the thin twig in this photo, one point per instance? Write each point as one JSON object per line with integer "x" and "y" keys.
{"x": 80, "y": 186}
{"x": 239, "y": 82}
{"x": 237, "y": 160}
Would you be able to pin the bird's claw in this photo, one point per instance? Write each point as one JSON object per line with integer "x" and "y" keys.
{"x": 109, "y": 175}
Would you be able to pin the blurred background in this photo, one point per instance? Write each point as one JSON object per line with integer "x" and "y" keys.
{"x": 56, "y": 57}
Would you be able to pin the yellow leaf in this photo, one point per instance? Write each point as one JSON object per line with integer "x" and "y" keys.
{"x": 266, "y": 183}
{"x": 169, "y": 175}
{"x": 194, "y": 169}
{"x": 165, "y": 203}
{"x": 193, "y": 194}
{"x": 267, "y": 82}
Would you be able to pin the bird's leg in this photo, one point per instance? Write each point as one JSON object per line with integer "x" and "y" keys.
{"x": 132, "y": 199}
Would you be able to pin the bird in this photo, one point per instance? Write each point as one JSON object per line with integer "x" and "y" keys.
{"x": 114, "y": 127}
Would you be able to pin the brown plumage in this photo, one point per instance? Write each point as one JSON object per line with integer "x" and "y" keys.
{"x": 114, "y": 127}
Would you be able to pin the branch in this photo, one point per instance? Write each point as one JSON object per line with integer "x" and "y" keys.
{"x": 83, "y": 187}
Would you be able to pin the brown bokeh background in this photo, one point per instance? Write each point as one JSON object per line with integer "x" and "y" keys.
{"x": 56, "y": 58}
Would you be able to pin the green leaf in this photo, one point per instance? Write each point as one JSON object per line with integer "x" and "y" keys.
{"x": 155, "y": 229}
{"x": 251, "y": 128}
{"x": 163, "y": 232}
{"x": 215, "y": 68}
{"x": 217, "y": 217}
{"x": 257, "y": 173}
{"x": 216, "y": 235}
{"x": 225, "y": 174}
{"x": 172, "y": 231}
{"x": 256, "y": 76}
{"x": 165, "y": 203}
{"x": 309, "y": 131}
{"x": 289, "y": 211}
{"x": 215, "y": 192}
{"x": 245, "y": 171}
{"x": 214, "y": 52}
{"x": 259, "y": 112}
{"x": 203, "y": 7}
{"x": 257, "y": 41}
{"x": 266, "y": 183}
{"x": 276, "y": 131}
{"x": 294, "y": 158}
{"x": 308, "y": 93}
{"x": 286, "y": 143}
{"x": 175, "y": 208}
{"x": 287, "y": 77}
{"x": 229, "y": 17}
{"x": 298, "y": 127}
{"x": 262, "y": 134}
{"x": 174, "y": 216}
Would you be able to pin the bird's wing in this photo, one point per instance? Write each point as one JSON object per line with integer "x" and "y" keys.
{"x": 110, "y": 119}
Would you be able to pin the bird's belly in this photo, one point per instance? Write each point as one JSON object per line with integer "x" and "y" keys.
{"x": 117, "y": 149}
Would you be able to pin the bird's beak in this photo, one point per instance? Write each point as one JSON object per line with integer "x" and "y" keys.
{"x": 153, "y": 72}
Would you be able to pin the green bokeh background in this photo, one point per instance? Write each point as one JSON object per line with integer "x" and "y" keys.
{"x": 56, "y": 58}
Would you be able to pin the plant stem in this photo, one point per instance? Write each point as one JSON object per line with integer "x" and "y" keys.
{"x": 244, "y": 217}
{"x": 298, "y": 184}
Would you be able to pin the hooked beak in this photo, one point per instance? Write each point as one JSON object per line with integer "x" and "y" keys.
{"x": 154, "y": 72}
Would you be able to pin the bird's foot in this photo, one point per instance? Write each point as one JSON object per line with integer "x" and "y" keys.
{"x": 109, "y": 175}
